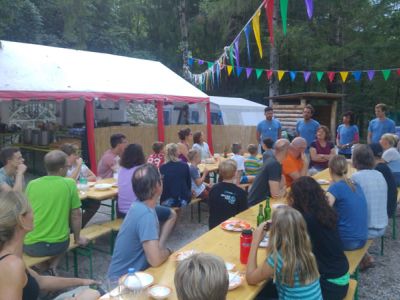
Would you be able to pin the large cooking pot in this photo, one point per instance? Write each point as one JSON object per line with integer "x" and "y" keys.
{"x": 35, "y": 137}
{"x": 27, "y": 135}
{"x": 44, "y": 138}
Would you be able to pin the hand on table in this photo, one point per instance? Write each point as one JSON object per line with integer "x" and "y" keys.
{"x": 82, "y": 241}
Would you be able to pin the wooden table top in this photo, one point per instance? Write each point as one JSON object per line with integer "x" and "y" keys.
{"x": 94, "y": 194}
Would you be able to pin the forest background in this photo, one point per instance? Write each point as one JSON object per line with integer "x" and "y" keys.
{"x": 342, "y": 35}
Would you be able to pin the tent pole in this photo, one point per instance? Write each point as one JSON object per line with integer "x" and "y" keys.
{"x": 160, "y": 120}
{"x": 90, "y": 134}
{"x": 209, "y": 127}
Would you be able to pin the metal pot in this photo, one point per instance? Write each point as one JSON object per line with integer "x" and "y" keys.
{"x": 44, "y": 138}
{"x": 35, "y": 137}
{"x": 27, "y": 135}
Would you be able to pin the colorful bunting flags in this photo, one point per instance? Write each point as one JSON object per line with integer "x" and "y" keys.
{"x": 319, "y": 75}
{"x": 190, "y": 61}
{"x": 200, "y": 62}
{"x": 357, "y": 75}
{"x": 259, "y": 72}
{"x": 310, "y": 8}
{"x": 248, "y": 72}
{"x": 210, "y": 64}
{"x": 280, "y": 74}
{"x": 306, "y": 75}
{"x": 371, "y": 74}
{"x": 256, "y": 29}
{"x": 269, "y": 74}
{"x": 239, "y": 71}
{"x": 386, "y": 74}
{"x": 292, "y": 75}
{"x": 247, "y": 30}
{"x": 229, "y": 69}
{"x": 284, "y": 6}
{"x": 331, "y": 76}
{"x": 344, "y": 75}
{"x": 237, "y": 54}
{"x": 269, "y": 11}
{"x": 398, "y": 72}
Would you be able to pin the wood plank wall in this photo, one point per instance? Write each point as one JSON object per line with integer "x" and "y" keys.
{"x": 223, "y": 136}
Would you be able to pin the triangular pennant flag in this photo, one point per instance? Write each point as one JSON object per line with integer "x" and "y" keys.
{"x": 247, "y": 30}
{"x": 239, "y": 71}
{"x": 256, "y": 29}
{"x": 386, "y": 74}
{"x": 371, "y": 74}
{"x": 200, "y": 62}
{"x": 237, "y": 55}
{"x": 284, "y": 6}
{"x": 319, "y": 75}
{"x": 248, "y": 72}
{"x": 259, "y": 72}
{"x": 269, "y": 74}
{"x": 229, "y": 69}
{"x": 357, "y": 75}
{"x": 210, "y": 64}
{"x": 306, "y": 75}
{"x": 280, "y": 74}
{"x": 217, "y": 71}
{"x": 398, "y": 72}
{"x": 190, "y": 61}
{"x": 344, "y": 75}
{"x": 310, "y": 8}
{"x": 269, "y": 11}
{"x": 293, "y": 75}
{"x": 231, "y": 55}
{"x": 331, "y": 76}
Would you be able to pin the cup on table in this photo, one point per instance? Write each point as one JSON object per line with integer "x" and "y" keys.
{"x": 114, "y": 287}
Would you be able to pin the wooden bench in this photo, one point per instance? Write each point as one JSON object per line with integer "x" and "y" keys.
{"x": 351, "y": 292}
{"x": 91, "y": 233}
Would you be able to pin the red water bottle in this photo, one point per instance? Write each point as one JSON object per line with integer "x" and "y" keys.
{"x": 245, "y": 243}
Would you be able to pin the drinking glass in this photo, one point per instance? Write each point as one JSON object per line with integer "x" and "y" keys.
{"x": 114, "y": 287}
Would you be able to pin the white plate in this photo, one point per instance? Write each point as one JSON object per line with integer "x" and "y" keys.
{"x": 159, "y": 291}
{"x": 229, "y": 266}
{"x": 264, "y": 242}
{"x": 145, "y": 278}
{"x": 102, "y": 186}
{"x": 235, "y": 280}
{"x": 322, "y": 181}
{"x": 184, "y": 254}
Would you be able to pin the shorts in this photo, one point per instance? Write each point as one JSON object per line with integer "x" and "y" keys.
{"x": 163, "y": 213}
{"x": 375, "y": 232}
{"x": 244, "y": 179}
{"x": 353, "y": 244}
{"x": 46, "y": 249}
{"x": 171, "y": 202}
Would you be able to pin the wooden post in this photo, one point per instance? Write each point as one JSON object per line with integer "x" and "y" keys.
{"x": 90, "y": 134}
{"x": 333, "y": 119}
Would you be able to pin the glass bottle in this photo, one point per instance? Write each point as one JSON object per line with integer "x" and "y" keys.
{"x": 267, "y": 210}
{"x": 260, "y": 217}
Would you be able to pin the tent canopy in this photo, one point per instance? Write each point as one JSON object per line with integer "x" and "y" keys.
{"x": 29, "y": 71}
{"x": 235, "y": 102}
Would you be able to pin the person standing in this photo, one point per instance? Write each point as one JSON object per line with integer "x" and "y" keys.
{"x": 108, "y": 164}
{"x": 269, "y": 128}
{"x": 380, "y": 125}
{"x": 347, "y": 135}
{"x": 12, "y": 174}
{"x": 307, "y": 128}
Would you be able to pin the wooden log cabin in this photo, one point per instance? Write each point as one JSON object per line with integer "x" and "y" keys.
{"x": 289, "y": 108}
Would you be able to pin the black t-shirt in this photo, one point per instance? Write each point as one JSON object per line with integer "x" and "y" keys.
{"x": 392, "y": 188}
{"x": 327, "y": 248}
{"x": 271, "y": 170}
{"x": 176, "y": 183}
{"x": 225, "y": 200}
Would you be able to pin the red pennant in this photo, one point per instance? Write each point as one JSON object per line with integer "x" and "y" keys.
{"x": 269, "y": 74}
{"x": 398, "y": 72}
{"x": 331, "y": 76}
{"x": 269, "y": 12}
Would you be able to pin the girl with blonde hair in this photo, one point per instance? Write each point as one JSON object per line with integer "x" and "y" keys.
{"x": 290, "y": 261}
{"x": 16, "y": 280}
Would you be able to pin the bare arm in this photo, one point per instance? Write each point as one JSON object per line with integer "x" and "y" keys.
{"x": 154, "y": 253}
{"x": 12, "y": 278}
{"x": 200, "y": 180}
{"x": 330, "y": 198}
{"x": 255, "y": 274}
{"x": 315, "y": 156}
{"x": 77, "y": 170}
{"x": 91, "y": 176}
{"x": 258, "y": 136}
{"x": 276, "y": 189}
{"x": 19, "y": 178}
{"x": 369, "y": 137}
{"x": 76, "y": 225}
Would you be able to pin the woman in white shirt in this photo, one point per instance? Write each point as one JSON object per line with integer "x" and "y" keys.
{"x": 201, "y": 145}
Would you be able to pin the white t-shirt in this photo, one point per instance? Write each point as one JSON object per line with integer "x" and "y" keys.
{"x": 84, "y": 171}
{"x": 203, "y": 149}
{"x": 239, "y": 161}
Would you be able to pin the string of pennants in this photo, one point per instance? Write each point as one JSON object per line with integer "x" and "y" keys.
{"x": 229, "y": 60}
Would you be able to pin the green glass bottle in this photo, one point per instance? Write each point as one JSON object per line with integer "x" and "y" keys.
{"x": 260, "y": 217}
{"x": 267, "y": 210}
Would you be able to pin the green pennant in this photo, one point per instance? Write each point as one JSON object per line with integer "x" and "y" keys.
{"x": 284, "y": 8}
{"x": 231, "y": 55}
{"x": 210, "y": 64}
{"x": 259, "y": 72}
{"x": 319, "y": 75}
{"x": 386, "y": 74}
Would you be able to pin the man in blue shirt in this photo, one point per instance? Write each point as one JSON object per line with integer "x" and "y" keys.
{"x": 140, "y": 242}
{"x": 380, "y": 125}
{"x": 307, "y": 128}
{"x": 269, "y": 128}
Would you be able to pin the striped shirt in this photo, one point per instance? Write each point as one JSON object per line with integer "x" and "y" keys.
{"x": 252, "y": 165}
{"x": 311, "y": 291}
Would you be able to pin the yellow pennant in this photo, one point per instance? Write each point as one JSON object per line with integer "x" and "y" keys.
{"x": 344, "y": 76}
{"x": 256, "y": 29}
{"x": 280, "y": 74}
{"x": 229, "y": 69}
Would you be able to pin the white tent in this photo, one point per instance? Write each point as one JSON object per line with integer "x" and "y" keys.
{"x": 38, "y": 72}
{"x": 237, "y": 111}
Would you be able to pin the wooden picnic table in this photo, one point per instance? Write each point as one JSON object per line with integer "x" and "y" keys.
{"x": 94, "y": 194}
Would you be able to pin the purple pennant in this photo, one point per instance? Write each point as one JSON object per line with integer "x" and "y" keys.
{"x": 307, "y": 75}
{"x": 310, "y": 8}
{"x": 248, "y": 72}
{"x": 200, "y": 62}
{"x": 237, "y": 51}
{"x": 371, "y": 74}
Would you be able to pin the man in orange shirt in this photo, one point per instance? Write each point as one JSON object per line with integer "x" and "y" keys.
{"x": 295, "y": 164}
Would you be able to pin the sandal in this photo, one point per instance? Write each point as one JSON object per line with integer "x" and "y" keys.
{"x": 366, "y": 263}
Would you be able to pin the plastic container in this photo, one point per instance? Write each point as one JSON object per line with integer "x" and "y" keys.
{"x": 132, "y": 284}
{"x": 245, "y": 243}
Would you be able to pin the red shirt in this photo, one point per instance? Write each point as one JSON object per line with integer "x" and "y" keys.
{"x": 156, "y": 159}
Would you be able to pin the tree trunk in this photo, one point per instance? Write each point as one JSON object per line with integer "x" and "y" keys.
{"x": 184, "y": 45}
{"x": 274, "y": 59}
